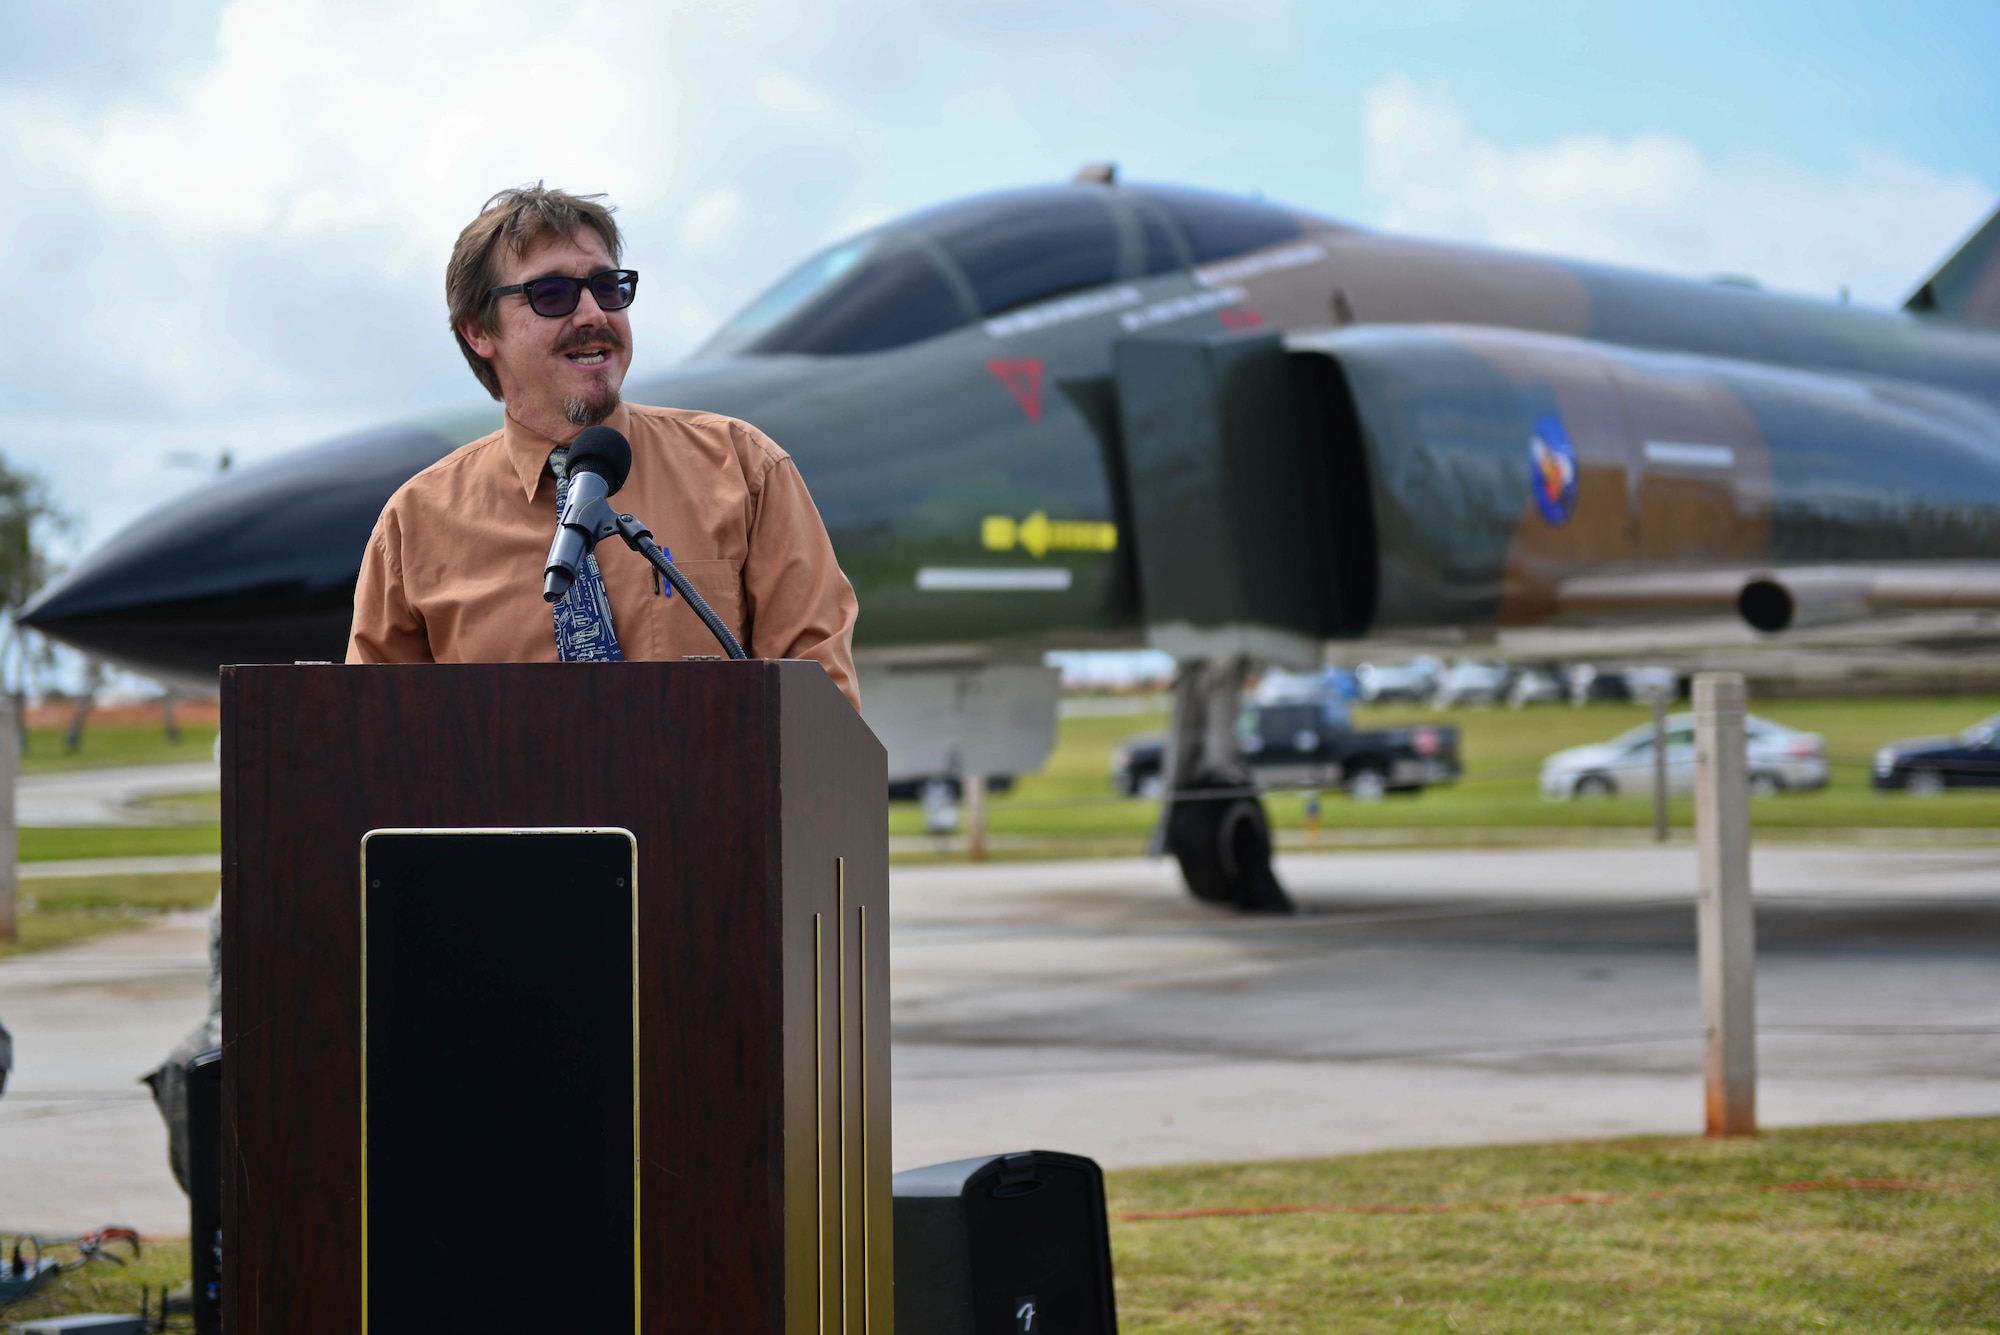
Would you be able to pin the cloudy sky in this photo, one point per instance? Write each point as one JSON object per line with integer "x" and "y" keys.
{"x": 226, "y": 220}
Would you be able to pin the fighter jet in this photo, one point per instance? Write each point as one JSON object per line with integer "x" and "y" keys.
{"x": 1109, "y": 414}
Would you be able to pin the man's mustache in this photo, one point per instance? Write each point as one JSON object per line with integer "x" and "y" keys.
{"x": 603, "y": 335}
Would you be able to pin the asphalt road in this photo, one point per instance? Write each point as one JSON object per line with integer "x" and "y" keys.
{"x": 105, "y": 796}
{"x": 1422, "y": 998}
{"x": 1425, "y": 999}
{"x": 80, "y": 1143}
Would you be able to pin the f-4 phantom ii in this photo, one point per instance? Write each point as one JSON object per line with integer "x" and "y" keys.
{"x": 1103, "y": 414}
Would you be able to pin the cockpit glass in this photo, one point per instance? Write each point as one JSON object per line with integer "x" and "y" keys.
{"x": 947, "y": 266}
{"x": 1218, "y": 226}
{"x": 794, "y": 290}
{"x": 1067, "y": 239}
{"x": 1165, "y": 251}
{"x": 881, "y": 290}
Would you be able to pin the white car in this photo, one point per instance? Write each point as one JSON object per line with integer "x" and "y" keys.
{"x": 1381, "y": 683}
{"x": 1781, "y": 761}
{"x": 1468, "y": 683}
{"x": 1536, "y": 686}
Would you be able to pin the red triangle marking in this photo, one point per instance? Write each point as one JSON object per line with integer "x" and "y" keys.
{"x": 1023, "y": 378}
{"x": 1245, "y": 319}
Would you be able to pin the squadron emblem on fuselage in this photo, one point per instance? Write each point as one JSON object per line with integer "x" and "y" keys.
{"x": 1552, "y": 461}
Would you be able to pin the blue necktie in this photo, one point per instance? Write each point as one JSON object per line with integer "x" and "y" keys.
{"x": 584, "y": 633}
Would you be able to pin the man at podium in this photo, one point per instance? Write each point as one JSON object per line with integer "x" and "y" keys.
{"x": 453, "y": 570}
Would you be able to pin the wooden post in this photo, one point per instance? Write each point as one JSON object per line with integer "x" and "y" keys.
{"x": 974, "y": 788}
{"x": 1659, "y": 767}
{"x": 1726, "y": 924}
{"x": 10, "y": 766}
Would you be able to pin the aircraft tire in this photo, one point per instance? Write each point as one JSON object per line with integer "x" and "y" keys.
{"x": 1224, "y": 848}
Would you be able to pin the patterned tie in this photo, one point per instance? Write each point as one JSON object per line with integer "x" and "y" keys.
{"x": 584, "y": 633}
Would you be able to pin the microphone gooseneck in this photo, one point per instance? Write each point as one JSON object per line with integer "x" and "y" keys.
{"x": 599, "y": 462}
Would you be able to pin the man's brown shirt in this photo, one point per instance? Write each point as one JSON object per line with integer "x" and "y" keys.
{"x": 453, "y": 571}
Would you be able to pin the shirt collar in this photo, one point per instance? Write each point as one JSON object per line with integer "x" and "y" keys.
{"x": 529, "y": 450}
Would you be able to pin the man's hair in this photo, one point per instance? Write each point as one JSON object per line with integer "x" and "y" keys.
{"x": 518, "y": 219}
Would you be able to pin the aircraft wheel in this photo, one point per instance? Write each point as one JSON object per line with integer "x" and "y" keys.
{"x": 1224, "y": 848}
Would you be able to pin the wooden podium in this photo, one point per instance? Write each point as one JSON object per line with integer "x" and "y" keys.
{"x": 755, "y": 801}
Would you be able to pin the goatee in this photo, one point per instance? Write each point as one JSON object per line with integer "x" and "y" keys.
{"x": 591, "y": 411}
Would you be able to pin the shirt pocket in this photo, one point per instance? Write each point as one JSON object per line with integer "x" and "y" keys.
{"x": 720, "y": 584}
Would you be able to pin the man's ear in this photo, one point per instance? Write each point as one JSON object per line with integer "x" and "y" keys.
{"x": 478, "y": 339}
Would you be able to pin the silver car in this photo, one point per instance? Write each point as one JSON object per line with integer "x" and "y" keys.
{"x": 1468, "y": 683}
{"x": 1782, "y": 760}
{"x": 1382, "y": 683}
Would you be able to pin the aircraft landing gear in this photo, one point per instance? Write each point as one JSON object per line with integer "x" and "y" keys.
{"x": 1211, "y": 821}
{"x": 1224, "y": 848}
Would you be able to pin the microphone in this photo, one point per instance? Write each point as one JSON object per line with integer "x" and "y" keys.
{"x": 599, "y": 461}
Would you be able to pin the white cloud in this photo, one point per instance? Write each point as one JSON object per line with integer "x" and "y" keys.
{"x": 250, "y": 250}
{"x": 405, "y": 112}
{"x": 1655, "y": 201}
{"x": 256, "y": 254}
{"x": 321, "y": 167}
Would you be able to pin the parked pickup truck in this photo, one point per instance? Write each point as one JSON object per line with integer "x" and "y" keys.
{"x": 1312, "y": 744}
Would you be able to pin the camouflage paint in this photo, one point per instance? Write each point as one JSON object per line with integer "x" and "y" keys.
{"x": 1850, "y": 435}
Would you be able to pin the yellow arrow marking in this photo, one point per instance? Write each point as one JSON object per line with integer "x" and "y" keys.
{"x": 1038, "y": 535}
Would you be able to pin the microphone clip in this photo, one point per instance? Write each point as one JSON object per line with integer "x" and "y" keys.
{"x": 593, "y": 519}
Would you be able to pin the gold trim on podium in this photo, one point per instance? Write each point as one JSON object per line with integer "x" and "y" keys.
{"x": 840, "y": 1009}
{"x": 847, "y": 1061}
{"x": 819, "y": 1108}
{"x": 867, "y": 1293}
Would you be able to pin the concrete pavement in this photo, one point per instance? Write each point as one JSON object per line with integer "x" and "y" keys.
{"x": 105, "y": 796}
{"x": 1424, "y": 999}
{"x": 80, "y": 1143}
{"x": 1421, "y": 998}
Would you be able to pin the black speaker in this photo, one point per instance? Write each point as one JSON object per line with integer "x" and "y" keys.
{"x": 204, "y": 1170}
{"x": 1014, "y": 1244}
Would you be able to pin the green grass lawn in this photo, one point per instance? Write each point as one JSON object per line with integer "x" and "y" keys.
{"x": 58, "y": 910}
{"x": 192, "y": 819}
{"x": 203, "y": 808}
{"x": 64, "y": 843}
{"x": 1070, "y": 809}
{"x": 116, "y": 744}
{"x": 103, "y": 1286}
{"x": 1655, "y": 1235}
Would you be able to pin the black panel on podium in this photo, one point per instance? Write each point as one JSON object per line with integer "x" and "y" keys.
{"x": 499, "y": 1046}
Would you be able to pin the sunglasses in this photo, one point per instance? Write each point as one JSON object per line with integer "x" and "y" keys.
{"x": 558, "y": 295}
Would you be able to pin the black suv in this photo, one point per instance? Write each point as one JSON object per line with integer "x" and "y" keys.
{"x": 1924, "y": 765}
{"x": 1312, "y": 744}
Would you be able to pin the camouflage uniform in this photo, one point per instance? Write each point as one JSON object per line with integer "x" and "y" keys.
{"x": 169, "y": 1082}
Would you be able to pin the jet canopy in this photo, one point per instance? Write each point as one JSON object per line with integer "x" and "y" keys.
{"x": 947, "y": 266}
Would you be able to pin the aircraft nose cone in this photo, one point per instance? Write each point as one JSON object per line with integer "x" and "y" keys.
{"x": 256, "y": 567}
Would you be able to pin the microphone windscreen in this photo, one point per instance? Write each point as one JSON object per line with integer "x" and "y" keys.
{"x": 603, "y": 451}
